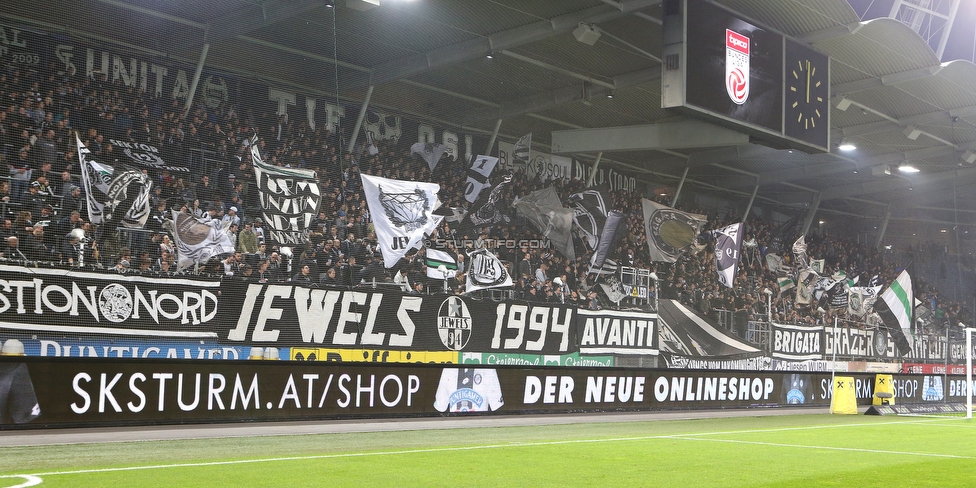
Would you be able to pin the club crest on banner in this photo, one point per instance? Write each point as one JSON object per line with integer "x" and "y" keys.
{"x": 454, "y": 323}
{"x": 486, "y": 271}
{"x": 214, "y": 91}
{"x": 737, "y": 66}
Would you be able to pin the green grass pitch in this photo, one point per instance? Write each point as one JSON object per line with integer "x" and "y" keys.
{"x": 803, "y": 450}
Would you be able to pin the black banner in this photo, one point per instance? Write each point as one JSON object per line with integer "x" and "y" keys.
{"x": 287, "y": 315}
{"x": 22, "y": 48}
{"x": 40, "y": 300}
{"x": 75, "y": 391}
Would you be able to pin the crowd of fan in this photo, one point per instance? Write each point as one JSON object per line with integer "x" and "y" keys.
{"x": 43, "y": 202}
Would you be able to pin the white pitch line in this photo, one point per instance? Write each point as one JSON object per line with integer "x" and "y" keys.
{"x": 689, "y": 436}
{"x": 827, "y": 448}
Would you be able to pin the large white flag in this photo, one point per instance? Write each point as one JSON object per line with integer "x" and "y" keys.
{"x": 481, "y": 169}
{"x": 402, "y": 212}
{"x": 485, "y": 271}
{"x": 198, "y": 241}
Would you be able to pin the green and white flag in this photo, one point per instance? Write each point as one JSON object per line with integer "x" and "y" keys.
{"x": 437, "y": 258}
{"x": 895, "y": 308}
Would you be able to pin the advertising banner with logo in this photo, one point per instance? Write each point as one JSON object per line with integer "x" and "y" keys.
{"x": 42, "y": 300}
{"x": 141, "y": 348}
{"x": 285, "y": 315}
{"x": 92, "y": 391}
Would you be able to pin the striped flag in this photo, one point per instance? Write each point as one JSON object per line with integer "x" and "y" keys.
{"x": 437, "y": 258}
{"x": 895, "y": 308}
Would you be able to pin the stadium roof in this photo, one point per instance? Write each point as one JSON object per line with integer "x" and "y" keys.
{"x": 430, "y": 59}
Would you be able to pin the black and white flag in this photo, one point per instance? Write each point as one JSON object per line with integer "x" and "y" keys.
{"x": 490, "y": 208}
{"x": 800, "y": 253}
{"x": 478, "y": 174}
{"x": 613, "y": 230}
{"x": 861, "y": 300}
{"x": 402, "y": 213}
{"x": 113, "y": 197}
{"x": 431, "y": 152}
{"x": 146, "y": 155}
{"x": 670, "y": 232}
{"x": 289, "y": 200}
{"x": 522, "y": 150}
{"x": 435, "y": 258}
{"x": 728, "y": 242}
{"x": 550, "y": 218}
{"x": 590, "y": 209}
{"x": 613, "y": 289}
{"x": 485, "y": 271}
{"x": 198, "y": 241}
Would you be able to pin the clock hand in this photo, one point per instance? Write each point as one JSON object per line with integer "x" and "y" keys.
{"x": 808, "y": 81}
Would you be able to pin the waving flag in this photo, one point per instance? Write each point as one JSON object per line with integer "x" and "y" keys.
{"x": 198, "y": 241}
{"x": 290, "y": 200}
{"x": 485, "y": 270}
{"x": 402, "y": 213}
{"x": 670, "y": 232}
{"x": 728, "y": 242}
{"x": 895, "y": 309}
{"x": 547, "y": 214}
{"x": 429, "y": 151}
{"x": 590, "y": 209}
{"x": 478, "y": 174}
{"x": 114, "y": 197}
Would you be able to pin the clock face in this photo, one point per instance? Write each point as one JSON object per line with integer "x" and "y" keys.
{"x": 807, "y": 94}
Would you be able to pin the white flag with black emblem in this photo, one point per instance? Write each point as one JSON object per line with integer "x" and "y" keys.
{"x": 402, "y": 212}
{"x": 485, "y": 271}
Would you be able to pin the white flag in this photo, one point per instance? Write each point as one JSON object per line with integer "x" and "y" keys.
{"x": 522, "y": 149}
{"x": 429, "y": 151}
{"x": 402, "y": 212}
{"x": 198, "y": 241}
{"x": 485, "y": 271}
{"x": 481, "y": 169}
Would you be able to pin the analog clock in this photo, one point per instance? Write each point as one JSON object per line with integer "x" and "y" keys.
{"x": 807, "y": 94}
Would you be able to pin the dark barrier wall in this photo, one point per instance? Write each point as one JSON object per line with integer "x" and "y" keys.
{"x": 37, "y": 392}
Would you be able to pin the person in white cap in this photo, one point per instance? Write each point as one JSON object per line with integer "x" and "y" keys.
{"x": 18, "y": 402}
{"x": 231, "y": 218}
